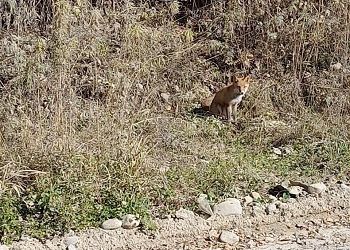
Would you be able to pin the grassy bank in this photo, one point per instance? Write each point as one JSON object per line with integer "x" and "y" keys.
{"x": 86, "y": 134}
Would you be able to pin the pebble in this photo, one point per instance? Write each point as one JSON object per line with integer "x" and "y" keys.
{"x": 71, "y": 240}
{"x": 130, "y": 221}
{"x": 230, "y": 206}
{"x": 272, "y": 198}
{"x": 277, "y": 151}
{"x": 271, "y": 208}
{"x": 229, "y": 237}
{"x": 203, "y": 204}
{"x": 345, "y": 187}
{"x": 256, "y": 195}
{"x": 71, "y": 247}
{"x": 295, "y": 190}
{"x": 317, "y": 188}
{"x": 165, "y": 96}
{"x": 111, "y": 224}
{"x": 248, "y": 199}
{"x": 184, "y": 214}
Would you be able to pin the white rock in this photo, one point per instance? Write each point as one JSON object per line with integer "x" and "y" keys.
{"x": 203, "y": 204}
{"x": 130, "y": 221}
{"x": 71, "y": 240}
{"x": 229, "y": 237}
{"x": 71, "y": 247}
{"x": 256, "y": 195}
{"x": 336, "y": 66}
{"x": 4, "y": 247}
{"x": 165, "y": 96}
{"x": 111, "y": 224}
{"x": 271, "y": 208}
{"x": 345, "y": 187}
{"x": 277, "y": 151}
{"x": 230, "y": 206}
{"x": 272, "y": 198}
{"x": 317, "y": 188}
{"x": 248, "y": 199}
{"x": 139, "y": 86}
{"x": 184, "y": 214}
{"x": 295, "y": 190}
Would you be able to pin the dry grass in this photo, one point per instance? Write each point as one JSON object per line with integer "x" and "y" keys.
{"x": 85, "y": 134}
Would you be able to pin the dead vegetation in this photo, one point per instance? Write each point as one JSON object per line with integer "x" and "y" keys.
{"x": 83, "y": 122}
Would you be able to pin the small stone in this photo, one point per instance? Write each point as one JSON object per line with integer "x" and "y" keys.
{"x": 229, "y": 237}
{"x": 295, "y": 190}
{"x": 288, "y": 150}
{"x": 231, "y": 206}
{"x": 177, "y": 88}
{"x": 71, "y": 247}
{"x": 272, "y": 198}
{"x": 336, "y": 66}
{"x": 165, "y": 96}
{"x": 256, "y": 196}
{"x": 271, "y": 208}
{"x": 203, "y": 204}
{"x": 184, "y": 214}
{"x": 111, "y": 224}
{"x": 130, "y": 221}
{"x": 71, "y": 240}
{"x": 276, "y": 151}
{"x": 317, "y": 188}
{"x": 269, "y": 239}
{"x": 345, "y": 187}
{"x": 168, "y": 107}
{"x": 247, "y": 200}
{"x": 139, "y": 86}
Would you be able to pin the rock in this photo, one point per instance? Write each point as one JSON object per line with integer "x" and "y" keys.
{"x": 165, "y": 96}
{"x": 247, "y": 200}
{"x": 111, "y": 224}
{"x": 345, "y": 187}
{"x": 229, "y": 237}
{"x": 184, "y": 214}
{"x": 71, "y": 240}
{"x": 288, "y": 150}
{"x": 276, "y": 151}
{"x": 71, "y": 247}
{"x": 203, "y": 204}
{"x": 176, "y": 88}
{"x": 230, "y": 206}
{"x": 316, "y": 188}
{"x": 4, "y": 247}
{"x": 271, "y": 208}
{"x": 139, "y": 86}
{"x": 295, "y": 190}
{"x": 336, "y": 66}
{"x": 256, "y": 195}
{"x": 272, "y": 198}
{"x": 130, "y": 221}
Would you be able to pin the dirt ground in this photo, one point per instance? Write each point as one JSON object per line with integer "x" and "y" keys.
{"x": 308, "y": 222}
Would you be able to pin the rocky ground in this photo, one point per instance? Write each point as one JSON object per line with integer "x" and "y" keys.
{"x": 316, "y": 219}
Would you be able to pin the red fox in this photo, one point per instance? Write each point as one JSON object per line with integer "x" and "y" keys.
{"x": 226, "y": 100}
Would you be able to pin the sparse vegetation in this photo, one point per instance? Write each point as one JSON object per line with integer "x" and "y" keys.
{"x": 85, "y": 134}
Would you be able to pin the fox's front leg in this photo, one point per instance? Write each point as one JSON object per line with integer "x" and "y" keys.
{"x": 235, "y": 111}
{"x": 229, "y": 113}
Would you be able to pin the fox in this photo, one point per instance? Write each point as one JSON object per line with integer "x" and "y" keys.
{"x": 224, "y": 103}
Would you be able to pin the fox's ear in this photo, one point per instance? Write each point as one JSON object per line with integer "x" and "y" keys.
{"x": 248, "y": 78}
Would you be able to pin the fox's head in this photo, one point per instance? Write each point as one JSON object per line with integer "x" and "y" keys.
{"x": 242, "y": 84}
